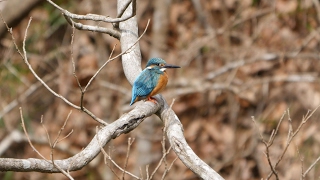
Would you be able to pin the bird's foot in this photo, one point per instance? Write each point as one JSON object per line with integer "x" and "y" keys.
{"x": 152, "y": 100}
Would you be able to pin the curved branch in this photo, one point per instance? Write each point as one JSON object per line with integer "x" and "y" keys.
{"x": 180, "y": 146}
{"x": 124, "y": 124}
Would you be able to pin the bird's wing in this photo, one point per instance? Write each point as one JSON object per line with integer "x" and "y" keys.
{"x": 145, "y": 83}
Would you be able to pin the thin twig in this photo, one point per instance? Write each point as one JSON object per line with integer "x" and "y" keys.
{"x": 167, "y": 170}
{"x": 147, "y": 171}
{"x": 130, "y": 141}
{"x": 303, "y": 121}
{"x": 266, "y": 145}
{"x": 311, "y": 166}
{"x": 141, "y": 174}
{"x": 111, "y": 59}
{"x": 24, "y": 57}
{"x": 107, "y": 156}
{"x": 66, "y": 136}
{"x": 114, "y": 58}
{"x": 74, "y": 64}
{"x": 275, "y": 132}
{"x": 56, "y": 141}
{"x": 301, "y": 160}
{"x": 164, "y": 155}
{"x": 27, "y": 135}
{"x": 98, "y": 71}
{"x": 46, "y": 130}
{"x": 173, "y": 100}
{"x": 30, "y": 143}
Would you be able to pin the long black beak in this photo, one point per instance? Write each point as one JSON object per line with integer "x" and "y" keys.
{"x": 171, "y": 66}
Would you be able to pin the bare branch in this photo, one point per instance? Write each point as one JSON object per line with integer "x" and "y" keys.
{"x": 25, "y": 58}
{"x": 291, "y": 135}
{"x": 93, "y": 17}
{"x": 106, "y": 156}
{"x": 130, "y": 141}
{"x": 73, "y": 63}
{"x": 164, "y": 154}
{"x": 117, "y": 56}
{"x": 57, "y": 140}
{"x": 112, "y": 32}
{"x": 124, "y": 124}
{"x": 167, "y": 170}
{"x": 27, "y": 135}
{"x": 83, "y": 90}
{"x": 46, "y": 130}
{"x": 180, "y": 146}
{"x": 30, "y": 143}
{"x": 311, "y": 166}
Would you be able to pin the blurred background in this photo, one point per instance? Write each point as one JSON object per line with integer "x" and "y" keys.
{"x": 239, "y": 59}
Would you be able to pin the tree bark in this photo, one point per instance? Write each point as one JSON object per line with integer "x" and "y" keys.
{"x": 131, "y": 62}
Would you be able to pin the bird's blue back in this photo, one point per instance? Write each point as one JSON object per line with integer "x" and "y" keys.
{"x": 144, "y": 84}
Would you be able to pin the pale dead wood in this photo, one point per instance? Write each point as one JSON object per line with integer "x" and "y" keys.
{"x": 180, "y": 146}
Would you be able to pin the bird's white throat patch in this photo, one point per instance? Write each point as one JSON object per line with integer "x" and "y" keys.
{"x": 163, "y": 69}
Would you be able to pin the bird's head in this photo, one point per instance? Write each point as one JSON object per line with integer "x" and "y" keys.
{"x": 159, "y": 64}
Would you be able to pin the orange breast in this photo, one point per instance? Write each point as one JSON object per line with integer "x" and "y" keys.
{"x": 163, "y": 80}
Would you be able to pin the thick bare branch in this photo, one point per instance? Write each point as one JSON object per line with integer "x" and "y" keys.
{"x": 124, "y": 124}
{"x": 131, "y": 62}
{"x": 181, "y": 147}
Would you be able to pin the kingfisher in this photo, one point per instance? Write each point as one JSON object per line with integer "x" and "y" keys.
{"x": 151, "y": 80}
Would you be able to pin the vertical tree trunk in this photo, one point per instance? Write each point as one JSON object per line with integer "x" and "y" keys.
{"x": 131, "y": 61}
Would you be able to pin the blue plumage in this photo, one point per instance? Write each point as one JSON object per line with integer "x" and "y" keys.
{"x": 149, "y": 78}
{"x": 144, "y": 84}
